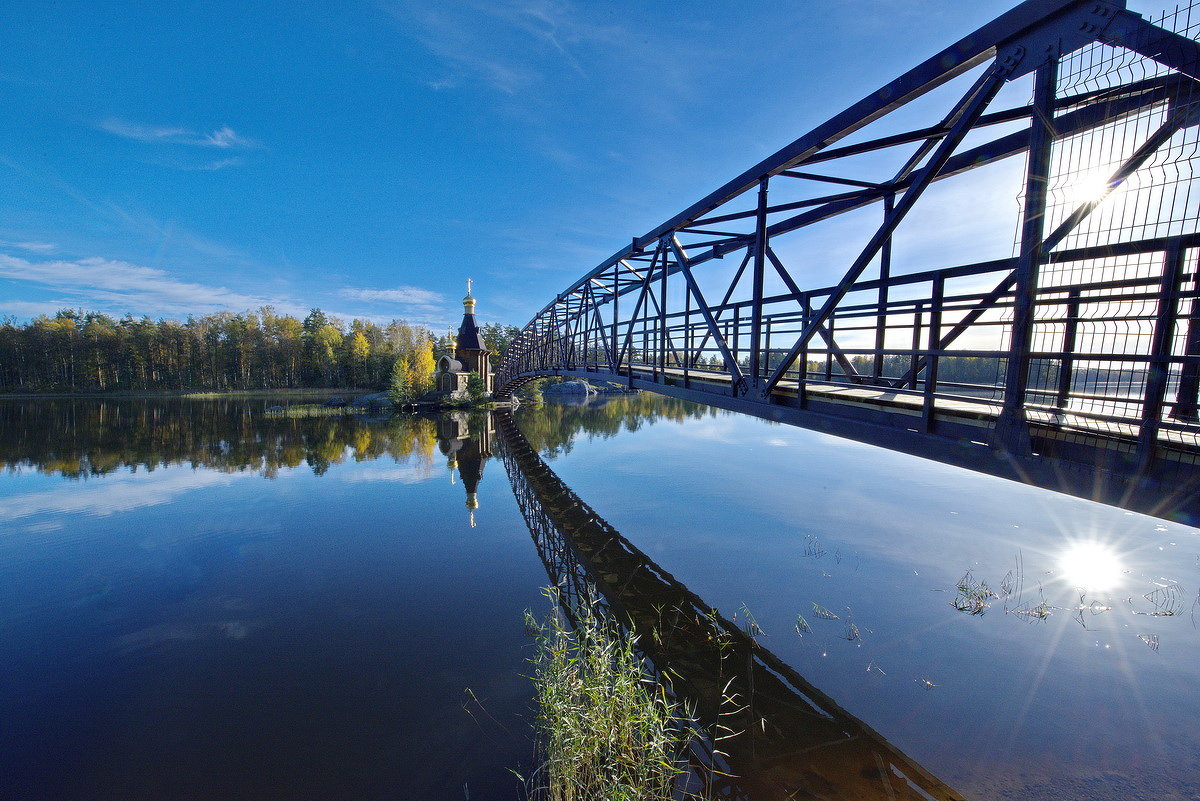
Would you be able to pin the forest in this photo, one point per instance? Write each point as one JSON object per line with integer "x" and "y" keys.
{"x": 82, "y": 351}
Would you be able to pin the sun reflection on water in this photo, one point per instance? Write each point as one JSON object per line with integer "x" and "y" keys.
{"x": 1091, "y": 566}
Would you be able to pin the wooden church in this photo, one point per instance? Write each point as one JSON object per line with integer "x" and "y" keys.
{"x": 470, "y": 355}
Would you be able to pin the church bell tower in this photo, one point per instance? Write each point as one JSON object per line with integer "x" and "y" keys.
{"x": 469, "y": 347}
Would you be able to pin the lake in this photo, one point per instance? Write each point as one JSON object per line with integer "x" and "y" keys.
{"x": 200, "y": 601}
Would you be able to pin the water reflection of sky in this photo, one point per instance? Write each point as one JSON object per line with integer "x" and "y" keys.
{"x": 307, "y": 629}
{"x": 193, "y": 632}
{"x": 1077, "y": 682}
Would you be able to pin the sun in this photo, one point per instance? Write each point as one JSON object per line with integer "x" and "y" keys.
{"x": 1088, "y": 188}
{"x": 1091, "y": 566}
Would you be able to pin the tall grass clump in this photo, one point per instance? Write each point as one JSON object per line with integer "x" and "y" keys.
{"x": 311, "y": 410}
{"x": 606, "y": 731}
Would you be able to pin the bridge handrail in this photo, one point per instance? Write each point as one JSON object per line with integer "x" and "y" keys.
{"x": 1106, "y": 324}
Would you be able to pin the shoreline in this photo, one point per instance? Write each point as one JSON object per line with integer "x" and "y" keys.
{"x": 189, "y": 394}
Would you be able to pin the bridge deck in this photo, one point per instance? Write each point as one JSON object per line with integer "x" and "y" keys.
{"x": 979, "y": 412}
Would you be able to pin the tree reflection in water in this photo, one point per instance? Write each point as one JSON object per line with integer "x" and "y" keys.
{"x": 81, "y": 437}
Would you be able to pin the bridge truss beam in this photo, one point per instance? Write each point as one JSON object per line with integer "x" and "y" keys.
{"x": 1084, "y": 342}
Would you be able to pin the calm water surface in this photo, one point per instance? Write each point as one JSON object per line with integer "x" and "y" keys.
{"x": 201, "y": 602}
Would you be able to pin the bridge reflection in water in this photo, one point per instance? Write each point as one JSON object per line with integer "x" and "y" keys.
{"x": 792, "y": 741}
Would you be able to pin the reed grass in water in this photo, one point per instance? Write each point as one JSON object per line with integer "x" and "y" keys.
{"x": 606, "y": 731}
{"x": 314, "y": 410}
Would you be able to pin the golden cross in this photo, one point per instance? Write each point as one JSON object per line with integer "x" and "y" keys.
{"x": 468, "y": 286}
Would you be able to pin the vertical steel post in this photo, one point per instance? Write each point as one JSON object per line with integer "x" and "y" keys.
{"x": 829, "y": 349}
{"x": 730, "y": 344}
{"x": 646, "y": 359}
{"x": 931, "y": 358}
{"x": 802, "y": 357}
{"x": 645, "y": 337}
{"x": 599, "y": 340}
{"x": 614, "y": 357}
{"x": 915, "y": 361}
{"x": 1187, "y": 396}
{"x": 562, "y": 333}
{"x": 737, "y": 335}
{"x": 1066, "y": 365}
{"x": 689, "y": 357}
{"x": 662, "y": 313}
{"x": 571, "y": 337}
{"x": 767, "y": 343}
{"x": 1012, "y": 431}
{"x": 582, "y": 332}
{"x": 596, "y": 324}
{"x": 756, "y": 308}
{"x": 585, "y": 319}
{"x": 885, "y": 274}
{"x": 569, "y": 344}
{"x": 1160, "y": 352}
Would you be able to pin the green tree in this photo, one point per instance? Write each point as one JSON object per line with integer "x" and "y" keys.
{"x": 358, "y": 350}
{"x": 313, "y": 322}
{"x": 401, "y": 388}
{"x": 423, "y": 365}
{"x": 476, "y": 387}
{"x": 326, "y": 343}
{"x": 498, "y": 338}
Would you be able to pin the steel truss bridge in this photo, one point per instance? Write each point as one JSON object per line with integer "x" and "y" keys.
{"x": 1066, "y": 130}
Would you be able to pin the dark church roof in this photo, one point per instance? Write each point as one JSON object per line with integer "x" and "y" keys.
{"x": 468, "y": 334}
{"x": 451, "y": 365}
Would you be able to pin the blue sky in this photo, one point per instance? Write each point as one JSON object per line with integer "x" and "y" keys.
{"x": 367, "y": 157}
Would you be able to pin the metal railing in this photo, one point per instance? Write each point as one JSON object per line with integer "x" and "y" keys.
{"x": 1091, "y": 327}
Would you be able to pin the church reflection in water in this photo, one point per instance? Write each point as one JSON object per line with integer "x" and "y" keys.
{"x": 792, "y": 741}
{"x": 466, "y": 442}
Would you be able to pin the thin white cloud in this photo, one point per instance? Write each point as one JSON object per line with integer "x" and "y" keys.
{"x": 405, "y": 474}
{"x": 32, "y": 247}
{"x": 226, "y": 137}
{"x": 223, "y": 137}
{"x": 221, "y": 164}
{"x": 208, "y": 166}
{"x": 528, "y": 48}
{"x": 142, "y": 133}
{"x": 113, "y": 495}
{"x": 117, "y": 287}
{"x": 130, "y": 287}
{"x": 35, "y": 308}
{"x": 167, "y": 233}
{"x": 407, "y": 295}
{"x": 477, "y": 41}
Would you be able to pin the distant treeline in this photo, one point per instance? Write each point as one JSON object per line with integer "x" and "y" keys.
{"x": 78, "y": 351}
